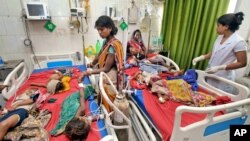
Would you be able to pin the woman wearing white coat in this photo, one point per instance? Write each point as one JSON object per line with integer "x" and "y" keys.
{"x": 229, "y": 51}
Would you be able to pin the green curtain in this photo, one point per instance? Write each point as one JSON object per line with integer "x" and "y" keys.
{"x": 189, "y": 29}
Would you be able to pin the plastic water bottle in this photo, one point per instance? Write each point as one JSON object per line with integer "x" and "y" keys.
{"x": 98, "y": 47}
{"x": 89, "y": 51}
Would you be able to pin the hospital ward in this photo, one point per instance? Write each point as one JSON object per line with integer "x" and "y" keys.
{"x": 124, "y": 70}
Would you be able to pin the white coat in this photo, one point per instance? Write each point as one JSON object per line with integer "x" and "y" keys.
{"x": 224, "y": 54}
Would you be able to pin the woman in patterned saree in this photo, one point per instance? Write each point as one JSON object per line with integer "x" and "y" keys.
{"x": 136, "y": 52}
{"x": 110, "y": 59}
{"x": 135, "y": 46}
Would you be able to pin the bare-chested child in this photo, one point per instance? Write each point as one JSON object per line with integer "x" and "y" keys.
{"x": 18, "y": 111}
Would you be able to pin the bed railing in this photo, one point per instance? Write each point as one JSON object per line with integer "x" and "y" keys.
{"x": 243, "y": 91}
{"x": 142, "y": 129}
{"x": 105, "y": 96}
{"x": 15, "y": 79}
{"x": 211, "y": 127}
{"x": 170, "y": 62}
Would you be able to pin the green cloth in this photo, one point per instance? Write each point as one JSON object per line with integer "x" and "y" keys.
{"x": 189, "y": 29}
{"x": 69, "y": 108}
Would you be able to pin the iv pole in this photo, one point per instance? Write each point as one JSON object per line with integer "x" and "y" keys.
{"x": 149, "y": 32}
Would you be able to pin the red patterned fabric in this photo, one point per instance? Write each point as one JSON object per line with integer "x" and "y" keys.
{"x": 163, "y": 114}
{"x": 55, "y": 108}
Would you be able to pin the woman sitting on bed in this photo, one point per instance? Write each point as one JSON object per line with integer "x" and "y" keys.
{"x": 136, "y": 51}
{"x": 110, "y": 59}
{"x": 135, "y": 46}
{"x": 18, "y": 111}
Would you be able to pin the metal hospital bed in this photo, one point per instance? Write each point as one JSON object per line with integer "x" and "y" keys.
{"x": 20, "y": 76}
{"x": 210, "y": 126}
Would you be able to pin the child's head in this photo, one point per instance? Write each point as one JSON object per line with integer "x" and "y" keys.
{"x": 78, "y": 128}
{"x": 54, "y": 86}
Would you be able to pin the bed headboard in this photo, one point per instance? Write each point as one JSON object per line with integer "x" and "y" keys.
{"x": 41, "y": 61}
{"x": 15, "y": 79}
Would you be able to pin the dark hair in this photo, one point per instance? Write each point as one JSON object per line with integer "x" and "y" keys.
{"x": 137, "y": 30}
{"x": 76, "y": 129}
{"x": 233, "y": 20}
{"x": 59, "y": 86}
{"x": 106, "y": 21}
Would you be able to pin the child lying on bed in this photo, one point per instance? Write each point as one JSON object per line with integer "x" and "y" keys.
{"x": 57, "y": 82}
{"x": 176, "y": 90}
{"x": 79, "y": 127}
{"x": 18, "y": 111}
{"x": 75, "y": 124}
{"x": 53, "y": 86}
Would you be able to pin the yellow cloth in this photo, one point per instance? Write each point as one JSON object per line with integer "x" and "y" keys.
{"x": 66, "y": 83}
{"x": 181, "y": 90}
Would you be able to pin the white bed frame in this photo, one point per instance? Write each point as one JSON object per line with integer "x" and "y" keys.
{"x": 41, "y": 61}
{"x": 240, "y": 109}
{"x": 14, "y": 80}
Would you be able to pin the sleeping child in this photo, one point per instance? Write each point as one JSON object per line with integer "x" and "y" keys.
{"x": 58, "y": 81}
{"x": 75, "y": 124}
{"x": 18, "y": 110}
{"x": 180, "y": 89}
